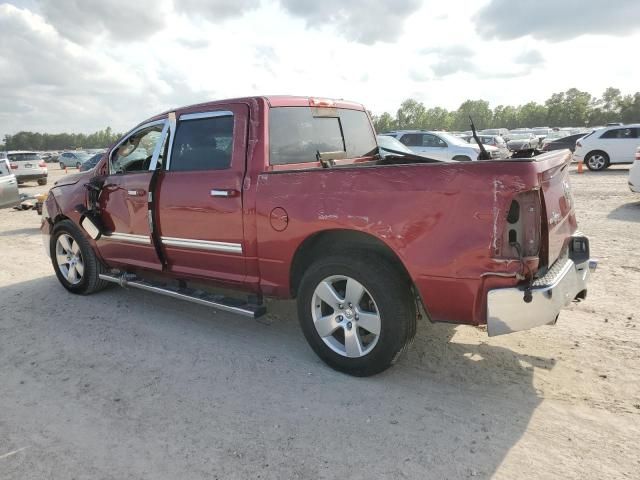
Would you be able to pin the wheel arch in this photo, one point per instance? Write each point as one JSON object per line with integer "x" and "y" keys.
{"x": 341, "y": 240}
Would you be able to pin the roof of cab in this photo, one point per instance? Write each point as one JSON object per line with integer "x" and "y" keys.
{"x": 270, "y": 100}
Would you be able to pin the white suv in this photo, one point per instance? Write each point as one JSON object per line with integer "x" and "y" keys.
{"x": 607, "y": 146}
{"x": 28, "y": 166}
{"x": 441, "y": 145}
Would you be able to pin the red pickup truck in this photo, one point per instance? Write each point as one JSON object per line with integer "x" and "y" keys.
{"x": 290, "y": 197}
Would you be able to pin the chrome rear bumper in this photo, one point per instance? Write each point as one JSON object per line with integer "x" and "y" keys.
{"x": 507, "y": 311}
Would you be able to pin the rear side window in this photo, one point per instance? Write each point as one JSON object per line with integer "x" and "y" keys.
{"x": 203, "y": 144}
{"x": 296, "y": 135}
{"x": 621, "y": 133}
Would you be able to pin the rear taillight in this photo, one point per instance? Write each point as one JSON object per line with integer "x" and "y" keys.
{"x": 42, "y": 163}
{"x": 578, "y": 144}
{"x": 521, "y": 233}
{"x": 638, "y": 155}
{"x": 14, "y": 166}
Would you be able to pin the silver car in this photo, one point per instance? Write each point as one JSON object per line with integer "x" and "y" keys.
{"x": 9, "y": 195}
{"x": 441, "y": 146}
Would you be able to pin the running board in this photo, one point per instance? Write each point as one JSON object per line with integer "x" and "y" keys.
{"x": 219, "y": 302}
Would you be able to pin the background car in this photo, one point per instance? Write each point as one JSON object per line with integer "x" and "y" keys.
{"x": 49, "y": 157}
{"x": 73, "y": 159}
{"x": 27, "y": 166}
{"x": 522, "y": 143}
{"x": 608, "y": 146}
{"x": 494, "y": 141}
{"x": 440, "y": 145}
{"x": 385, "y": 143}
{"x": 92, "y": 162}
{"x": 568, "y": 142}
{"x": 502, "y": 132}
{"x": 9, "y": 195}
{"x": 634, "y": 173}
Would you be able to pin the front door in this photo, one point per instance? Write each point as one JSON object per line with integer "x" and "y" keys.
{"x": 9, "y": 195}
{"x": 124, "y": 197}
{"x": 200, "y": 195}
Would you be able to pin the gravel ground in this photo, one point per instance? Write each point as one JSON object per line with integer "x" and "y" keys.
{"x": 125, "y": 384}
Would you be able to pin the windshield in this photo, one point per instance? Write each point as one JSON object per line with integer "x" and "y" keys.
{"x": 16, "y": 157}
{"x": 447, "y": 137}
{"x": 387, "y": 142}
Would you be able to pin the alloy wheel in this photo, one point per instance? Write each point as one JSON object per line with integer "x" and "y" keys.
{"x": 69, "y": 259}
{"x": 597, "y": 161}
{"x": 345, "y": 316}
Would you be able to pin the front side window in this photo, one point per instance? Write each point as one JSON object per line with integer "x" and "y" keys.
{"x": 429, "y": 140}
{"x": 134, "y": 154}
{"x": 302, "y": 135}
{"x": 203, "y": 144}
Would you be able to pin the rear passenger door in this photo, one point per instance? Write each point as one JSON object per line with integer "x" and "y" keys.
{"x": 199, "y": 199}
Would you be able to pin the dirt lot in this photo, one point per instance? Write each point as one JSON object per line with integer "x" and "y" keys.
{"x": 125, "y": 384}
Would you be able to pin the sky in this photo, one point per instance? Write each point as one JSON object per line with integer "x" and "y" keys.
{"x": 83, "y": 65}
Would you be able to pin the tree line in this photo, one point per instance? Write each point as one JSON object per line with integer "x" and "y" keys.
{"x": 573, "y": 108}
{"x": 59, "y": 141}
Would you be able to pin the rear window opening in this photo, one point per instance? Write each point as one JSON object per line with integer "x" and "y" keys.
{"x": 305, "y": 134}
{"x": 18, "y": 157}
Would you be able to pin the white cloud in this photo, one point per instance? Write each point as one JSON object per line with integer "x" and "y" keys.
{"x": 557, "y": 20}
{"x": 110, "y": 72}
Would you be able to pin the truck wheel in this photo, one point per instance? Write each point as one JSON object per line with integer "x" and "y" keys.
{"x": 42, "y": 181}
{"x": 597, "y": 161}
{"x": 74, "y": 261}
{"x": 357, "y": 312}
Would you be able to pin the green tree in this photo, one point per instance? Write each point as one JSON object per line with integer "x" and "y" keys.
{"x": 532, "y": 114}
{"x": 384, "y": 123}
{"x": 478, "y": 110}
{"x": 411, "y": 115}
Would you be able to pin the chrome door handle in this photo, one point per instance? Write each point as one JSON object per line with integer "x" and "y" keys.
{"x": 135, "y": 193}
{"x": 224, "y": 193}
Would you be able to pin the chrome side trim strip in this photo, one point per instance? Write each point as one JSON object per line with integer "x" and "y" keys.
{"x": 202, "y": 245}
{"x": 129, "y": 238}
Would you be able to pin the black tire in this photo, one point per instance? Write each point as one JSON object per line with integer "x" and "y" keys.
{"x": 78, "y": 165}
{"x": 42, "y": 181}
{"x": 390, "y": 290}
{"x": 461, "y": 158}
{"x": 62, "y": 167}
{"x": 90, "y": 282}
{"x": 594, "y": 163}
